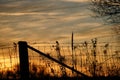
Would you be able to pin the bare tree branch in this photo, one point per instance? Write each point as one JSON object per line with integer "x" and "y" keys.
{"x": 109, "y": 10}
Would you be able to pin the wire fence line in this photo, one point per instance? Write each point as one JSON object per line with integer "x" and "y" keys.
{"x": 104, "y": 55}
{"x": 99, "y": 60}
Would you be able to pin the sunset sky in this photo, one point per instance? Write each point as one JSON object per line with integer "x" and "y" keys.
{"x": 51, "y": 21}
{"x": 48, "y": 20}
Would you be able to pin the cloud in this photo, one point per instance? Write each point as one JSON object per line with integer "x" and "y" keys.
{"x": 46, "y": 20}
{"x": 17, "y": 14}
{"x": 76, "y": 0}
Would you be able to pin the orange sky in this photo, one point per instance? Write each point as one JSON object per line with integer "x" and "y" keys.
{"x": 48, "y": 20}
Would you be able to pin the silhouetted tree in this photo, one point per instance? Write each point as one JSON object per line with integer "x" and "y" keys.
{"x": 109, "y": 10}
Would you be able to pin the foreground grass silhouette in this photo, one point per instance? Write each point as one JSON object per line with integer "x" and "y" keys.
{"x": 38, "y": 73}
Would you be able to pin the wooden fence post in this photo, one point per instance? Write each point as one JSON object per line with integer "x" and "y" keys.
{"x": 24, "y": 63}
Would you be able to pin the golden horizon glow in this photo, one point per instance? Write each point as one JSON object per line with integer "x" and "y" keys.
{"x": 43, "y": 22}
{"x": 83, "y": 63}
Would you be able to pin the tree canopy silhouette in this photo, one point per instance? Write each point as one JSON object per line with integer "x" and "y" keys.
{"x": 109, "y": 10}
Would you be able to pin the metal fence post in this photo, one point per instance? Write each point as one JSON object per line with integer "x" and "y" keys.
{"x": 24, "y": 63}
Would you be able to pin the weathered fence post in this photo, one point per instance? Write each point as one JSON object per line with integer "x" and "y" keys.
{"x": 24, "y": 63}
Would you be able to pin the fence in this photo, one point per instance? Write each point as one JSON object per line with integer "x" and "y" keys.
{"x": 9, "y": 63}
{"x": 45, "y": 61}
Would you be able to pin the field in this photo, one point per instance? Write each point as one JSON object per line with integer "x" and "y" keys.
{"x": 82, "y": 61}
